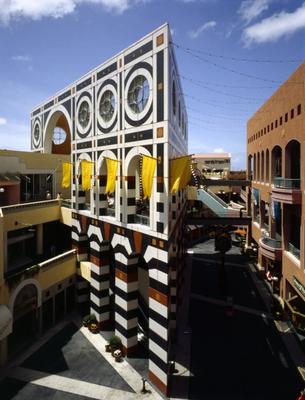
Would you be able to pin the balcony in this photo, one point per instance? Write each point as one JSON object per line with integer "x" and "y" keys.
{"x": 287, "y": 190}
{"x": 271, "y": 248}
{"x": 294, "y": 250}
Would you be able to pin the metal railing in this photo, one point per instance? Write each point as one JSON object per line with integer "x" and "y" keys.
{"x": 297, "y": 318}
{"x": 142, "y": 219}
{"x": 294, "y": 250}
{"x": 66, "y": 203}
{"x": 276, "y": 244}
{"x": 110, "y": 212}
{"x": 286, "y": 183}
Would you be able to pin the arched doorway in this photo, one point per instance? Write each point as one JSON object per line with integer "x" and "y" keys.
{"x": 25, "y": 319}
{"x": 57, "y": 138}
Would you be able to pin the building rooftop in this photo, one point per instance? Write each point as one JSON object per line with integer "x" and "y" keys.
{"x": 212, "y": 155}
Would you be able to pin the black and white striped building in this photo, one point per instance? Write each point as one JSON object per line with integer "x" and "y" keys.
{"x": 131, "y": 105}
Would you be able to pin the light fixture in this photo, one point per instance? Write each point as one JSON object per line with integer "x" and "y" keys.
{"x": 2, "y": 190}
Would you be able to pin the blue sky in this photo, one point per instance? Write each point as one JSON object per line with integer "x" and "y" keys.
{"x": 47, "y": 44}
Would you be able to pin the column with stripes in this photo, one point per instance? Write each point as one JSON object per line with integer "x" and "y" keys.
{"x": 126, "y": 300}
{"x": 99, "y": 282}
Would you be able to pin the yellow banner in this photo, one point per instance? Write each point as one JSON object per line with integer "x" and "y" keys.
{"x": 112, "y": 166}
{"x": 148, "y": 171}
{"x": 180, "y": 169}
{"x": 66, "y": 174}
{"x": 86, "y": 170}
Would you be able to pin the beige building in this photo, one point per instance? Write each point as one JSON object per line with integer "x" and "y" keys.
{"x": 37, "y": 265}
{"x": 276, "y": 159}
{"x": 26, "y": 176}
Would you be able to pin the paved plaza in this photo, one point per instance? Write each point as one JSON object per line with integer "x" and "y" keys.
{"x": 71, "y": 363}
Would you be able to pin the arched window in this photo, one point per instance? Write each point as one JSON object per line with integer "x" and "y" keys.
{"x": 263, "y": 167}
{"x": 267, "y": 166}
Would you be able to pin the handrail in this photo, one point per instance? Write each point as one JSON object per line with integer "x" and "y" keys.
{"x": 276, "y": 244}
{"x": 13, "y": 207}
{"x": 286, "y": 183}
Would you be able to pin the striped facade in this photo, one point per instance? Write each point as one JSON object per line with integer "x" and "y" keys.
{"x": 135, "y": 259}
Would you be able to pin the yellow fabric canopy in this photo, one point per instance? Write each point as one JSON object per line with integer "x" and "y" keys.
{"x": 66, "y": 174}
{"x": 86, "y": 170}
{"x": 148, "y": 171}
{"x": 180, "y": 170}
{"x": 112, "y": 166}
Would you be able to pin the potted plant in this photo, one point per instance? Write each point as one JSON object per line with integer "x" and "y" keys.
{"x": 89, "y": 319}
{"x": 93, "y": 327}
{"x": 115, "y": 343}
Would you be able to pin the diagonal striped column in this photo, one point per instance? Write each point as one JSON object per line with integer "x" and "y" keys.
{"x": 159, "y": 318}
{"x": 99, "y": 282}
{"x": 80, "y": 244}
{"x": 126, "y": 300}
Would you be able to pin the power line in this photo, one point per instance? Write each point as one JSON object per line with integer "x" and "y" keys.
{"x": 215, "y": 129}
{"x": 230, "y": 69}
{"x": 230, "y": 86}
{"x": 253, "y": 60}
{"x": 217, "y": 105}
{"x": 215, "y": 116}
{"x": 197, "y": 83}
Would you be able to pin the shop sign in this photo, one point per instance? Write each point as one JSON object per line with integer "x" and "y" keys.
{"x": 297, "y": 284}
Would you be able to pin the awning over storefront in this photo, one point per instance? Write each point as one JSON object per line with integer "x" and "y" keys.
{"x": 6, "y": 321}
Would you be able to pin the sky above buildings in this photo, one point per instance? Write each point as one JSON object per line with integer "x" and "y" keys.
{"x": 232, "y": 55}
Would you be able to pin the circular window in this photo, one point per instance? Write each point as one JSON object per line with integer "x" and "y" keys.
{"x": 36, "y": 132}
{"x": 138, "y": 94}
{"x": 59, "y": 135}
{"x": 107, "y": 105}
{"x": 84, "y": 114}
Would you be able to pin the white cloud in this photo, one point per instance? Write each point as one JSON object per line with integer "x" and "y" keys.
{"x": 21, "y": 58}
{"x": 219, "y": 150}
{"x": 251, "y": 9}
{"x": 278, "y": 25}
{"x": 37, "y": 9}
{"x": 15, "y": 136}
{"x": 208, "y": 25}
{"x": 3, "y": 121}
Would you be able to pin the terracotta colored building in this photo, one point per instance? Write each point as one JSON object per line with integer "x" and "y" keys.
{"x": 276, "y": 158}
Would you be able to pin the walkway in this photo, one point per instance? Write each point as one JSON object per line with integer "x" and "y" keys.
{"x": 71, "y": 363}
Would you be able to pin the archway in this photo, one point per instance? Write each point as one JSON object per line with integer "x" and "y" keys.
{"x": 293, "y": 160}
{"x": 276, "y": 162}
{"x": 25, "y": 318}
{"x": 138, "y": 209}
{"x": 267, "y": 166}
{"x": 57, "y": 137}
{"x": 107, "y": 203}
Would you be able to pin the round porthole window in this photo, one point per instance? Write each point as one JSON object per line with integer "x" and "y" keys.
{"x": 59, "y": 135}
{"x": 138, "y": 94}
{"x": 36, "y": 132}
{"x": 84, "y": 114}
{"x": 107, "y": 105}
